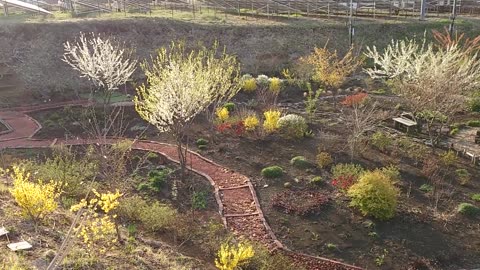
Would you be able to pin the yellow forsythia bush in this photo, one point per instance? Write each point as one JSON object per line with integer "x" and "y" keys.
{"x": 97, "y": 228}
{"x": 251, "y": 122}
{"x": 222, "y": 114}
{"x": 275, "y": 85}
{"x": 249, "y": 85}
{"x": 271, "y": 120}
{"x": 231, "y": 257}
{"x": 36, "y": 199}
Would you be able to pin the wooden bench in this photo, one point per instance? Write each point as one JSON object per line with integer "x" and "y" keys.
{"x": 404, "y": 122}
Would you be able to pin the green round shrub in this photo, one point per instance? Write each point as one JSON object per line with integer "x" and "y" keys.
{"x": 426, "y": 188}
{"x": 468, "y": 209}
{"x": 300, "y": 162}
{"x": 317, "y": 180}
{"x": 272, "y": 172}
{"x": 202, "y": 147}
{"x": 476, "y": 197}
{"x": 230, "y": 106}
{"x": 201, "y": 141}
{"x": 374, "y": 194}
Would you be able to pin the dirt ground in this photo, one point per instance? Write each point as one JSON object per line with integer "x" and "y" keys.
{"x": 416, "y": 237}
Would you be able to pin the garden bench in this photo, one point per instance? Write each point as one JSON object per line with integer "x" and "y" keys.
{"x": 403, "y": 121}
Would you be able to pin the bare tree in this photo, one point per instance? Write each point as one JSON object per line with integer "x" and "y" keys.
{"x": 181, "y": 85}
{"x": 434, "y": 80}
{"x": 360, "y": 115}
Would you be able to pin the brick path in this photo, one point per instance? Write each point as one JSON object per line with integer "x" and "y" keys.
{"x": 236, "y": 197}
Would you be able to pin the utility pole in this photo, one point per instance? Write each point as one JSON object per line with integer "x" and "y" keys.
{"x": 452, "y": 18}
{"x": 351, "y": 29}
{"x": 423, "y": 10}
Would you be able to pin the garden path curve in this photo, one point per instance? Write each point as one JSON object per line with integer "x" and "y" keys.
{"x": 236, "y": 197}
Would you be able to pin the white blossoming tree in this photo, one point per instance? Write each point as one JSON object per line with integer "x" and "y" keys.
{"x": 104, "y": 61}
{"x": 181, "y": 84}
{"x": 108, "y": 64}
{"x": 434, "y": 80}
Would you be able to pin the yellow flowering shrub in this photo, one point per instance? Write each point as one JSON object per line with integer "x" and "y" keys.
{"x": 271, "y": 120}
{"x": 231, "y": 257}
{"x": 222, "y": 114}
{"x": 36, "y": 199}
{"x": 97, "y": 226}
{"x": 249, "y": 85}
{"x": 275, "y": 85}
{"x": 251, "y": 122}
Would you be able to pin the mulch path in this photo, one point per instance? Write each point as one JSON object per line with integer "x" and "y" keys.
{"x": 235, "y": 195}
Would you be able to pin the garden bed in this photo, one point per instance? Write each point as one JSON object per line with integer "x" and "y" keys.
{"x": 416, "y": 236}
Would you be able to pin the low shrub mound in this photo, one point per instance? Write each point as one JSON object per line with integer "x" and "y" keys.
{"x": 156, "y": 180}
{"x": 299, "y": 202}
{"x": 201, "y": 141}
{"x": 348, "y": 169}
{"x": 468, "y": 209}
{"x": 300, "y": 162}
{"x": 316, "y": 180}
{"x": 381, "y": 140}
{"x": 426, "y": 188}
{"x": 293, "y": 126}
{"x": 345, "y": 175}
{"x": 374, "y": 194}
{"x": 230, "y": 106}
{"x": 473, "y": 123}
{"x": 476, "y": 197}
{"x": 324, "y": 159}
{"x": 272, "y": 172}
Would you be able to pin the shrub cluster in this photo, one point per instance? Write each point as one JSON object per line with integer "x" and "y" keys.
{"x": 154, "y": 217}
{"x": 249, "y": 84}
{"x": 381, "y": 140}
{"x": 271, "y": 120}
{"x": 324, "y": 159}
{"x": 158, "y": 216}
{"x": 374, "y": 194}
{"x": 468, "y": 209}
{"x": 347, "y": 169}
{"x": 299, "y": 202}
{"x": 251, "y": 122}
{"x": 463, "y": 176}
{"x": 272, "y": 172}
{"x": 156, "y": 180}
{"x": 473, "y": 123}
{"x": 293, "y": 126}
{"x": 300, "y": 162}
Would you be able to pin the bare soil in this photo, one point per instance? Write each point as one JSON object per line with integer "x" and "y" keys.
{"x": 416, "y": 237}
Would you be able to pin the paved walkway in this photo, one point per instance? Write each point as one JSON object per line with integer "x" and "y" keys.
{"x": 236, "y": 197}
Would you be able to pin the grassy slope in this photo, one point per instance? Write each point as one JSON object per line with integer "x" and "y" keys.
{"x": 34, "y": 44}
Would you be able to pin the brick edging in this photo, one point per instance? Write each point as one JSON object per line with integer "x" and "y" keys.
{"x": 9, "y": 128}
